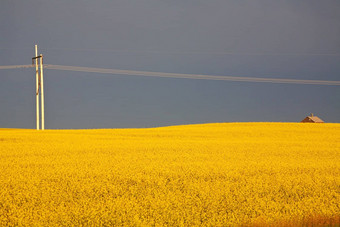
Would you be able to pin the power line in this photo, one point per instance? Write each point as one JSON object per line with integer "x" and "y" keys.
{"x": 15, "y": 66}
{"x": 190, "y": 76}
{"x": 178, "y": 75}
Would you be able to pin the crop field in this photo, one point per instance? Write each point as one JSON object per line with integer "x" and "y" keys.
{"x": 225, "y": 174}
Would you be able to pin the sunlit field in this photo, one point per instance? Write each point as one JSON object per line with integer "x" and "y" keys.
{"x": 232, "y": 174}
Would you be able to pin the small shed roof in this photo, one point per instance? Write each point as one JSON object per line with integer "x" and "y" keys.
{"x": 312, "y": 119}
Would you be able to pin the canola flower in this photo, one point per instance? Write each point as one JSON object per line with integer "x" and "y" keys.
{"x": 226, "y": 174}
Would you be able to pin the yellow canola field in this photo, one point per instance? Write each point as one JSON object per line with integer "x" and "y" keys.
{"x": 226, "y": 174}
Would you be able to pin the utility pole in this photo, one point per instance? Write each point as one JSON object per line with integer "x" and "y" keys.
{"x": 42, "y": 93}
{"x": 37, "y": 85}
{"x": 39, "y": 77}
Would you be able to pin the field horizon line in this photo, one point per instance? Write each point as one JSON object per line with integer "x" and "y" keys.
{"x": 175, "y": 125}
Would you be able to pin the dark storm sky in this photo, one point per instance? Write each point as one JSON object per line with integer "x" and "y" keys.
{"x": 250, "y": 38}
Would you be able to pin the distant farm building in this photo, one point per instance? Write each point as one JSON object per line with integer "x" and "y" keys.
{"x": 312, "y": 119}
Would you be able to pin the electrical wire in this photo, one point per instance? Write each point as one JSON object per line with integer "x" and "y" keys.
{"x": 15, "y": 66}
{"x": 190, "y": 76}
{"x": 177, "y": 75}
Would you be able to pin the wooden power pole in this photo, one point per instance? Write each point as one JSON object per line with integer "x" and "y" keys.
{"x": 42, "y": 92}
{"x": 39, "y": 80}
